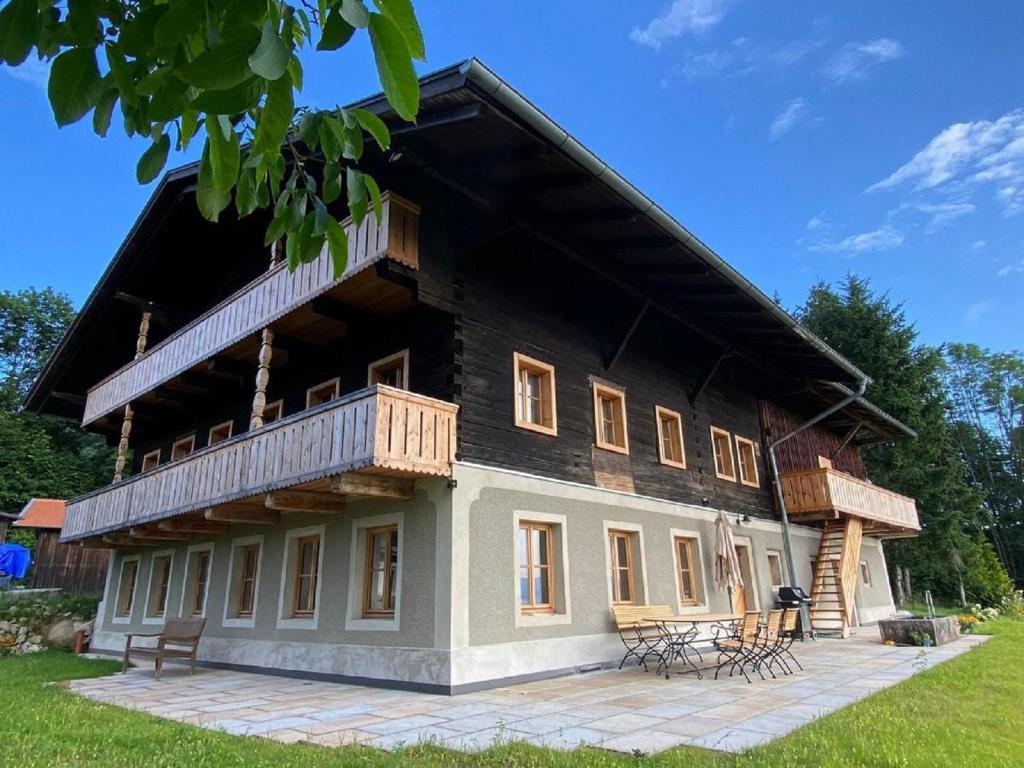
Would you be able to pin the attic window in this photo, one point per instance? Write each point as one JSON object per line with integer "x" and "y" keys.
{"x": 151, "y": 460}
{"x": 322, "y": 393}
{"x": 183, "y": 447}
{"x": 670, "y": 437}
{"x": 746, "y": 452}
{"x": 535, "y": 395}
{"x": 220, "y": 433}
{"x": 390, "y": 371}
{"x": 721, "y": 444}
{"x": 610, "y": 418}
{"x": 273, "y": 411}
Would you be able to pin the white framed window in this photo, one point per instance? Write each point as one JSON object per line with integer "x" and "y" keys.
{"x": 610, "y": 428}
{"x": 625, "y": 563}
{"x": 541, "y": 559}
{"x": 301, "y": 569}
{"x": 160, "y": 569}
{"x": 150, "y": 460}
{"x": 721, "y": 447}
{"x": 391, "y": 371}
{"x": 535, "y": 406}
{"x": 196, "y": 585}
{"x": 746, "y": 454}
{"x": 375, "y": 573}
{"x": 127, "y": 583}
{"x": 183, "y": 446}
{"x": 220, "y": 433}
{"x": 243, "y": 585}
{"x": 670, "y": 437}
{"x": 775, "y": 572}
{"x": 688, "y": 561}
{"x": 323, "y": 393}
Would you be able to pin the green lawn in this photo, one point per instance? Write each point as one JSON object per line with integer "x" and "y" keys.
{"x": 966, "y": 712}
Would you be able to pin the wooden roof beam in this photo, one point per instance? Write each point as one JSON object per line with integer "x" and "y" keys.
{"x": 375, "y": 486}
{"x": 153, "y": 534}
{"x": 192, "y": 525}
{"x": 248, "y": 515}
{"x": 304, "y": 501}
{"x": 619, "y": 348}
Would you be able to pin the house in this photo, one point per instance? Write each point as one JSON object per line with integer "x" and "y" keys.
{"x": 524, "y": 401}
{"x": 72, "y": 568}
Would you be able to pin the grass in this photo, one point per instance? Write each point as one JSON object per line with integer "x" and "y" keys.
{"x": 964, "y": 712}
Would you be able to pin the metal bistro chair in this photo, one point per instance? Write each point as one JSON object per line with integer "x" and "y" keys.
{"x": 675, "y": 644}
{"x": 738, "y": 651}
{"x": 788, "y": 634}
{"x": 771, "y": 635}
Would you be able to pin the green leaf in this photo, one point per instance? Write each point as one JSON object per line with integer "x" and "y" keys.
{"x": 182, "y": 18}
{"x": 374, "y": 126}
{"x": 121, "y": 71}
{"x": 225, "y": 157}
{"x": 356, "y": 195}
{"x": 402, "y": 14}
{"x": 189, "y": 126}
{"x": 153, "y": 160}
{"x": 335, "y": 32}
{"x": 169, "y": 101}
{"x": 222, "y": 67}
{"x": 295, "y": 71}
{"x": 353, "y": 143}
{"x": 19, "y": 25}
{"x": 270, "y": 59}
{"x": 245, "y": 193}
{"x": 276, "y": 116}
{"x": 355, "y": 13}
{"x": 211, "y": 201}
{"x": 332, "y": 182}
{"x": 374, "y": 190}
{"x": 136, "y": 38}
{"x": 337, "y": 245}
{"x": 232, "y": 101}
{"x": 75, "y": 85}
{"x": 308, "y": 130}
{"x": 329, "y": 139}
{"x": 394, "y": 66}
{"x": 104, "y": 112}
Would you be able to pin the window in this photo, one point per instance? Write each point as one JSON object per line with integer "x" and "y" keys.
{"x": 250, "y": 557}
{"x": 687, "y": 562}
{"x": 775, "y": 568}
{"x": 621, "y": 543}
{"x": 391, "y": 371}
{"x": 610, "y": 418}
{"x": 220, "y": 433}
{"x": 126, "y": 587}
{"x": 865, "y": 573}
{"x": 535, "y": 395}
{"x": 670, "y": 437}
{"x": 200, "y": 581}
{"x": 273, "y": 411}
{"x": 183, "y": 447}
{"x": 379, "y": 571}
{"x": 159, "y": 585}
{"x": 151, "y": 460}
{"x": 535, "y": 566}
{"x": 307, "y": 565}
{"x": 721, "y": 445}
{"x": 746, "y": 453}
{"x": 322, "y": 393}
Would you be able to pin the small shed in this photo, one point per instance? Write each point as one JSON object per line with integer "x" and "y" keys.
{"x": 71, "y": 567}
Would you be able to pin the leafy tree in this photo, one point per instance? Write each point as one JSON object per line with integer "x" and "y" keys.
{"x": 31, "y": 324}
{"x": 874, "y": 333}
{"x": 229, "y": 69}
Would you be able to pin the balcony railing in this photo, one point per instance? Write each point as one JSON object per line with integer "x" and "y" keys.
{"x": 264, "y": 300}
{"x": 379, "y": 430}
{"x": 816, "y": 492}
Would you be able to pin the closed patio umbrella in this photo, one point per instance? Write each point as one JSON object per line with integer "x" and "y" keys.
{"x": 727, "y": 564}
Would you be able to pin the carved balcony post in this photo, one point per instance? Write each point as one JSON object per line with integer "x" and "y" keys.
{"x": 129, "y": 414}
{"x": 259, "y": 400}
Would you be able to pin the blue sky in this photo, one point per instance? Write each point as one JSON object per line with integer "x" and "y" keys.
{"x": 801, "y": 141}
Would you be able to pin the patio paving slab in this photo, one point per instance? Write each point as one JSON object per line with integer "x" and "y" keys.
{"x": 622, "y": 710}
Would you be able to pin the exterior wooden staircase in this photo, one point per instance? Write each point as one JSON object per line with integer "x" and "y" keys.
{"x": 835, "y": 576}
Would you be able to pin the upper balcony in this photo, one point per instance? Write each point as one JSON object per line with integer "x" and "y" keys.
{"x": 274, "y": 295}
{"x": 820, "y": 494}
{"x": 371, "y": 442}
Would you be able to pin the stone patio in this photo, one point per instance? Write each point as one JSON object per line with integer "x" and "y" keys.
{"x": 624, "y": 711}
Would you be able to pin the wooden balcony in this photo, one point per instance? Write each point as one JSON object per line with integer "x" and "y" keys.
{"x": 381, "y": 431}
{"x": 270, "y": 297}
{"x": 826, "y": 494}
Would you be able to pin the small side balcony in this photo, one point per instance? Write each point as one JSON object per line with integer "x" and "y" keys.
{"x": 817, "y": 495}
{"x": 374, "y": 442}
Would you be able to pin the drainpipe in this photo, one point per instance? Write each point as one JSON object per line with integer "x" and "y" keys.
{"x": 773, "y": 468}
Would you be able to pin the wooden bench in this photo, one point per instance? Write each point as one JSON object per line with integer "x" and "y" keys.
{"x": 639, "y": 630}
{"x": 179, "y": 639}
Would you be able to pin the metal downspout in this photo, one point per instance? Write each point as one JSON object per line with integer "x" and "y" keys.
{"x": 773, "y": 468}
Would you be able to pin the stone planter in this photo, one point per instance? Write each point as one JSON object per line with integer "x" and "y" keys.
{"x": 941, "y": 630}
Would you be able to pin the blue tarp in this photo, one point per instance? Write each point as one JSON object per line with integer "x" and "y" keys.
{"x": 14, "y": 560}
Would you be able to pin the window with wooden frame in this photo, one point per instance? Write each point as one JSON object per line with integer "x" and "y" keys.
{"x": 865, "y": 573}
{"x": 621, "y": 543}
{"x": 307, "y": 565}
{"x": 535, "y": 568}
{"x": 322, "y": 393}
{"x": 610, "y": 430}
{"x": 688, "y": 564}
{"x": 197, "y": 601}
{"x": 670, "y": 437}
{"x": 150, "y": 460}
{"x": 535, "y": 395}
{"x": 273, "y": 411}
{"x": 379, "y": 570}
{"x": 126, "y": 587}
{"x": 775, "y": 568}
{"x": 746, "y": 453}
{"x": 160, "y": 583}
{"x": 721, "y": 447}
{"x": 183, "y": 447}
{"x": 247, "y": 575}
{"x": 391, "y": 371}
{"x": 220, "y": 433}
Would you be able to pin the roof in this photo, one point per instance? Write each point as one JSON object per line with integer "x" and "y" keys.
{"x": 41, "y": 513}
{"x": 482, "y": 139}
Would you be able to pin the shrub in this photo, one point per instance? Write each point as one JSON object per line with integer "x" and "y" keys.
{"x": 1012, "y": 606}
{"x": 39, "y": 611}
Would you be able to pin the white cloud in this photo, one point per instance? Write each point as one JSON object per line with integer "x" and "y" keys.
{"x": 816, "y": 222}
{"x": 743, "y": 57}
{"x": 793, "y": 113}
{"x": 944, "y": 213}
{"x": 32, "y": 70}
{"x": 855, "y": 60}
{"x": 682, "y": 17}
{"x": 977, "y": 245}
{"x": 976, "y": 311}
{"x": 885, "y": 238}
{"x": 1011, "y": 269}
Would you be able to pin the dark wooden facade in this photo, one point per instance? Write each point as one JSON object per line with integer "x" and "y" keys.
{"x": 74, "y": 569}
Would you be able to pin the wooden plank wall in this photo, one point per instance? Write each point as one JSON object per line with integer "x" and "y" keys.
{"x": 74, "y": 569}
{"x": 802, "y": 451}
